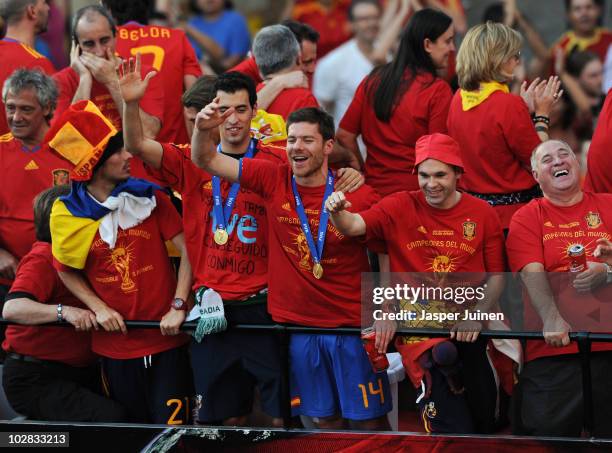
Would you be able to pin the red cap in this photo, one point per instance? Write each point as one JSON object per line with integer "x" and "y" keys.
{"x": 440, "y": 147}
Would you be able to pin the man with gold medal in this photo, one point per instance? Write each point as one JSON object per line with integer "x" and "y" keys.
{"x": 331, "y": 377}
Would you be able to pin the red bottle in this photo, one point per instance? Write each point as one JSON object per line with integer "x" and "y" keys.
{"x": 379, "y": 361}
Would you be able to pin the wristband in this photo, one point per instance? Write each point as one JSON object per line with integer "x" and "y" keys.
{"x": 541, "y": 119}
{"x": 541, "y": 128}
{"x": 60, "y": 315}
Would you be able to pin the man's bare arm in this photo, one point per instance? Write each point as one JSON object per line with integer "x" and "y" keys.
{"x": 132, "y": 88}
{"x": 346, "y": 222}
{"x": 556, "y": 329}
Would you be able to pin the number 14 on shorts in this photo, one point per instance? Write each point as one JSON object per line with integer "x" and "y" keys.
{"x": 369, "y": 391}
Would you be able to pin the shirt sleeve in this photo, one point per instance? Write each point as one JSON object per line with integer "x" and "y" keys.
{"x": 351, "y": 121}
{"x": 378, "y": 217}
{"x": 518, "y": 129}
{"x": 174, "y": 166}
{"x": 66, "y": 92}
{"x": 524, "y": 244}
{"x": 190, "y": 62}
{"x": 35, "y": 276}
{"x": 248, "y": 67}
{"x": 168, "y": 218}
{"x": 438, "y": 108}
{"x": 260, "y": 176}
{"x": 494, "y": 243}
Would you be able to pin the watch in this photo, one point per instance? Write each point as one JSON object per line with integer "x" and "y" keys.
{"x": 608, "y": 273}
{"x": 178, "y": 304}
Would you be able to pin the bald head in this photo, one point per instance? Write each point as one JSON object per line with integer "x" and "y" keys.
{"x": 545, "y": 148}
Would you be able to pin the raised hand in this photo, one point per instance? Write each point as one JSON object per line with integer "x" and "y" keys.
{"x": 131, "y": 84}
{"x": 546, "y": 95}
{"x": 528, "y": 92}
{"x": 211, "y": 117}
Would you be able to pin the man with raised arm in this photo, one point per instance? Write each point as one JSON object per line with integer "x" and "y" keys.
{"x": 441, "y": 230}
{"x": 314, "y": 279}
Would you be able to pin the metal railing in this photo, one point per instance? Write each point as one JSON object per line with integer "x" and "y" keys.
{"x": 584, "y": 340}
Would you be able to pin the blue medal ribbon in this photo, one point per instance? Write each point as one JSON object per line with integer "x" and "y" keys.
{"x": 222, "y": 213}
{"x": 316, "y": 250}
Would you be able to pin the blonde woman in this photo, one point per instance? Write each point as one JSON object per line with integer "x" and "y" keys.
{"x": 493, "y": 127}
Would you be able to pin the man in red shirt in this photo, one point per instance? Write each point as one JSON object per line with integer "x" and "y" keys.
{"x": 24, "y": 19}
{"x": 310, "y": 284}
{"x": 440, "y": 230}
{"x": 562, "y": 295}
{"x": 166, "y": 50}
{"x": 584, "y": 17}
{"x": 92, "y": 72}
{"x": 108, "y": 242}
{"x": 50, "y": 373}
{"x": 277, "y": 52}
{"x": 27, "y": 164}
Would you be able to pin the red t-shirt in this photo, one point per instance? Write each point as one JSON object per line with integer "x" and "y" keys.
{"x": 541, "y": 232}
{"x": 599, "y": 163}
{"x": 296, "y": 296}
{"x": 152, "y": 103}
{"x": 18, "y": 55}
{"x": 496, "y": 138}
{"x": 169, "y": 52}
{"x": 390, "y": 158}
{"x": 137, "y": 280}
{"x": 421, "y": 238}
{"x": 331, "y": 23}
{"x": 26, "y": 173}
{"x": 248, "y": 67}
{"x": 37, "y": 277}
{"x": 289, "y": 100}
{"x": 239, "y": 268}
{"x": 598, "y": 44}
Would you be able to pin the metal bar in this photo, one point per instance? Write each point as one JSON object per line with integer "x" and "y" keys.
{"x": 506, "y": 334}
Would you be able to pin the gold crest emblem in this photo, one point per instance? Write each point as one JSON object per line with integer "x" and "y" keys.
{"x": 430, "y": 410}
{"x": 286, "y": 206}
{"x": 469, "y": 230}
{"x": 207, "y": 185}
{"x": 422, "y": 229}
{"x": 592, "y": 219}
{"x": 61, "y": 177}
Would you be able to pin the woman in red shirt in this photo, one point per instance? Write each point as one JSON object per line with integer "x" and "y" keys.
{"x": 493, "y": 127}
{"x": 399, "y": 102}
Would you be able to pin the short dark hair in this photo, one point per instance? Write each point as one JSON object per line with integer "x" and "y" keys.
{"x": 201, "y": 93}
{"x": 114, "y": 145}
{"x": 314, "y": 115}
{"x": 42, "y": 210}
{"x": 87, "y": 11}
{"x": 124, "y": 11}
{"x": 302, "y": 31}
{"x": 233, "y": 81}
{"x": 576, "y": 61}
{"x": 355, "y": 3}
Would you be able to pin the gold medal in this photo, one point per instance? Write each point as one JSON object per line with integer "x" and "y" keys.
{"x": 221, "y": 236}
{"x": 317, "y": 271}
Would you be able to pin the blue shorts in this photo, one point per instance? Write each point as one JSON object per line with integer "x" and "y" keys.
{"x": 331, "y": 374}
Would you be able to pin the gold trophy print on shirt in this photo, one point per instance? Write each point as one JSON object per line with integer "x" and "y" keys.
{"x": 120, "y": 258}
